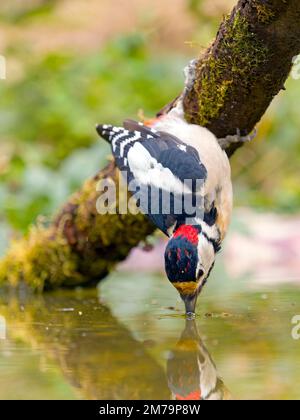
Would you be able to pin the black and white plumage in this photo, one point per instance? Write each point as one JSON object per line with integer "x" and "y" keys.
{"x": 160, "y": 161}
{"x": 162, "y": 158}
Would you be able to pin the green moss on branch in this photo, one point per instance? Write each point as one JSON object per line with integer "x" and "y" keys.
{"x": 245, "y": 67}
{"x": 79, "y": 248}
{"x": 219, "y": 74}
{"x": 264, "y": 13}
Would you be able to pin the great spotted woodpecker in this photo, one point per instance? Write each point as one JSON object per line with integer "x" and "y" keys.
{"x": 191, "y": 372}
{"x": 161, "y": 158}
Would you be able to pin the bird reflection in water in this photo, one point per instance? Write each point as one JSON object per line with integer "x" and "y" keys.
{"x": 100, "y": 357}
{"x": 191, "y": 372}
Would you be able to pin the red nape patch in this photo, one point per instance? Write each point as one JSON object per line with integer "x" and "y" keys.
{"x": 189, "y": 232}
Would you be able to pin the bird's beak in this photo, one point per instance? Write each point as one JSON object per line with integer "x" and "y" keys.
{"x": 190, "y": 304}
{"x": 189, "y": 292}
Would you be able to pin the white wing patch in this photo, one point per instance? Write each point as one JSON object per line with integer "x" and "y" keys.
{"x": 146, "y": 170}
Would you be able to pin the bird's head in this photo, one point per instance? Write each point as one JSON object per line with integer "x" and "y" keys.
{"x": 189, "y": 258}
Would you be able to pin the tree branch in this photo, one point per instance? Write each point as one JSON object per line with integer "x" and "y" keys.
{"x": 245, "y": 67}
{"x": 232, "y": 86}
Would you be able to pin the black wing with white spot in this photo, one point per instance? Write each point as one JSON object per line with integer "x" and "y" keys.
{"x": 160, "y": 163}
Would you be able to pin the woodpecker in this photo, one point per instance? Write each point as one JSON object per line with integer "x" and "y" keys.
{"x": 191, "y": 372}
{"x": 161, "y": 158}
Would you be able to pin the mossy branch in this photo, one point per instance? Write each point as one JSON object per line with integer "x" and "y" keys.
{"x": 234, "y": 82}
{"x": 80, "y": 247}
{"x": 245, "y": 67}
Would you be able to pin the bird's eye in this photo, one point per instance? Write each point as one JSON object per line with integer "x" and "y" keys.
{"x": 200, "y": 274}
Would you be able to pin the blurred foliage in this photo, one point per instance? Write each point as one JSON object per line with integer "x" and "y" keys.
{"x": 266, "y": 172}
{"x": 49, "y": 114}
{"x": 52, "y": 99}
{"x": 61, "y": 96}
{"x": 208, "y": 14}
{"x": 18, "y": 11}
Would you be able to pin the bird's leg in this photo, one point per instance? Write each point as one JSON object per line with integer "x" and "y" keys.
{"x": 225, "y": 142}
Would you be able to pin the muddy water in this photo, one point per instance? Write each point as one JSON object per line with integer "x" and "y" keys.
{"x": 129, "y": 340}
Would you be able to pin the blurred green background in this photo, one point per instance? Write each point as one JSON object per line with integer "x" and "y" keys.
{"x": 73, "y": 64}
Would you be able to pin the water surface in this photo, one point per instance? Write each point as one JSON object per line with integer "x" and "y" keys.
{"x": 129, "y": 340}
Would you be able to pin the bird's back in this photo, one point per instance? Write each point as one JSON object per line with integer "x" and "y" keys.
{"x": 218, "y": 186}
{"x": 165, "y": 157}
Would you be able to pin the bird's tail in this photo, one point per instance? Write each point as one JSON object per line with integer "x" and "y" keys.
{"x": 105, "y": 131}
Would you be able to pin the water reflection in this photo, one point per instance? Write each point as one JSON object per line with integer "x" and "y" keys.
{"x": 68, "y": 345}
{"x": 94, "y": 351}
{"x": 100, "y": 357}
{"x": 2, "y": 328}
{"x": 191, "y": 372}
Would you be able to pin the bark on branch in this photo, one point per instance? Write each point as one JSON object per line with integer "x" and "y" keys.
{"x": 245, "y": 67}
{"x": 234, "y": 82}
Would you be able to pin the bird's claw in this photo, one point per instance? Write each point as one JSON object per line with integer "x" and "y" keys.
{"x": 190, "y": 75}
{"x": 236, "y": 138}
